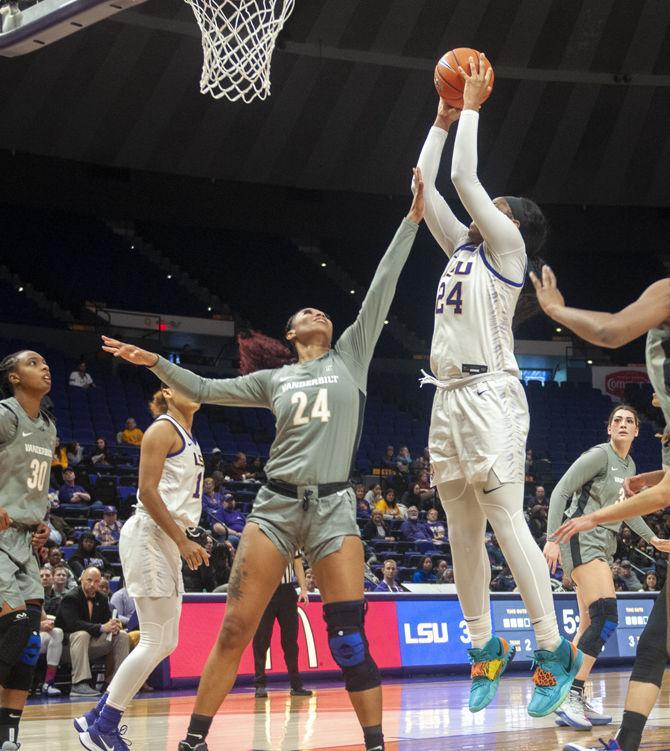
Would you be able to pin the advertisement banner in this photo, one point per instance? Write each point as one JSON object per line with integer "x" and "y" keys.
{"x": 431, "y": 632}
{"x": 612, "y": 380}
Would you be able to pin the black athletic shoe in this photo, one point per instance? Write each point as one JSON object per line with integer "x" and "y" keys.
{"x": 301, "y": 692}
{"x": 261, "y": 692}
{"x": 184, "y": 746}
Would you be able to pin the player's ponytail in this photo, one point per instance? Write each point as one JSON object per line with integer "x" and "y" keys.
{"x": 8, "y": 365}
{"x": 533, "y": 223}
{"x": 158, "y": 404}
{"x": 260, "y": 352}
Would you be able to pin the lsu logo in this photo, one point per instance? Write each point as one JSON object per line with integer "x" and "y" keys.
{"x": 427, "y": 633}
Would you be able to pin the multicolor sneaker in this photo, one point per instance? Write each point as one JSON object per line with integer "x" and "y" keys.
{"x": 611, "y": 745}
{"x": 590, "y": 713}
{"x": 553, "y": 677}
{"x": 573, "y": 712}
{"x": 488, "y": 665}
{"x": 93, "y": 740}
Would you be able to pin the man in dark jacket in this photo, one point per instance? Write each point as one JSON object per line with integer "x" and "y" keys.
{"x": 85, "y": 615}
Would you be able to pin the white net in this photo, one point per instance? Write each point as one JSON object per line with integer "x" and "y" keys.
{"x": 238, "y": 38}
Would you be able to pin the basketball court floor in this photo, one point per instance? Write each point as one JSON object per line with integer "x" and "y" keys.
{"x": 419, "y": 715}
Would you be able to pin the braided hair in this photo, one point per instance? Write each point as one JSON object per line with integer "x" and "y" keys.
{"x": 8, "y": 365}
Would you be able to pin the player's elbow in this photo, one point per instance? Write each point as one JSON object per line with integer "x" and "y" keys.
{"x": 611, "y": 334}
{"x": 458, "y": 174}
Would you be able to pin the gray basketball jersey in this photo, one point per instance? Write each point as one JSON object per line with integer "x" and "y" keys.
{"x": 318, "y": 405}
{"x": 658, "y": 366}
{"x": 594, "y": 481}
{"x": 26, "y": 451}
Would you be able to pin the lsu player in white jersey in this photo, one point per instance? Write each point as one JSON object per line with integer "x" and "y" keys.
{"x": 479, "y": 421}
{"x": 152, "y": 543}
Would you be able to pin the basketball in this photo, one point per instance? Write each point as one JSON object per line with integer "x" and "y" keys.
{"x": 448, "y": 81}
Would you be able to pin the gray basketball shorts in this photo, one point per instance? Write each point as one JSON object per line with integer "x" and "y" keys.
{"x": 319, "y": 529}
{"x": 596, "y": 544}
{"x": 19, "y": 571}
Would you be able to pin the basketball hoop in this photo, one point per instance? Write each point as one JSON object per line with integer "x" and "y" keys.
{"x": 238, "y": 39}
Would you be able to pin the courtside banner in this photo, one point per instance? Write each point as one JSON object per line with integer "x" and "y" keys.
{"x": 405, "y": 631}
{"x": 612, "y": 381}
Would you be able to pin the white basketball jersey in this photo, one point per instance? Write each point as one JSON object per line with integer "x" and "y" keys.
{"x": 180, "y": 486}
{"x": 473, "y": 316}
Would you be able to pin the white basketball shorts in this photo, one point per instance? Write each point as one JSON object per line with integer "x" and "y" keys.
{"x": 478, "y": 426}
{"x": 150, "y": 559}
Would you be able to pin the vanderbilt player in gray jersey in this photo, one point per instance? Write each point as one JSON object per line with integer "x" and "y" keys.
{"x": 650, "y": 314}
{"x": 27, "y": 440}
{"x": 594, "y": 481}
{"x": 307, "y": 503}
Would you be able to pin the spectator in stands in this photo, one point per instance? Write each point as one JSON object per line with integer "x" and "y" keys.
{"x": 537, "y": 497}
{"x": 226, "y": 520}
{"x": 100, "y": 454}
{"x": 389, "y": 572}
{"x": 362, "y": 506}
{"x": 80, "y": 379}
{"x": 202, "y": 579}
{"x": 376, "y": 528}
{"x": 51, "y": 644}
{"x": 64, "y": 580}
{"x": 445, "y": 574}
{"x": 55, "y": 560}
{"x": 374, "y": 495}
{"x": 389, "y": 460}
{"x": 108, "y": 530}
{"x": 221, "y": 562}
{"x": 495, "y": 554}
{"x": 70, "y": 492}
{"x": 238, "y": 469}
{"x": 124, "y": 605}
{"x": 650, "y": 582}
{"x": 86, "y": 616}
{"x": 52, "y": 598}
{"x": 619, "y": 583}
{"x": 211, "y": 498}
{"x": 428, "y": 493}
{"x": 390, "y": 507}
{"x": 421, "y": 463}
{"x": 131, "y": 434}
{"x": 310, "y": 580}
{"x": 530, "y": 466}
{"x": 424, "y": 573}
{"x": 537, "y": 521}
{"x": 504, "y": 581}
{"x": 257, "y": 469}
{"x": 630, "y": 580}
{"x": 104, "y": 587}
{"x": 412, "y": 529}
{"x": 61, "y": 532}
{"x": 403, "y": 461}
{"x": 75, "y": 454}
{"x": 87, "y": 555}
{"x": 625, "y": 547}
{"x": 215, "y": 462}
{"x": 436, "y": 527}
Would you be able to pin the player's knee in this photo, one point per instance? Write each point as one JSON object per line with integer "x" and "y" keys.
{"x": 15, "y": 633}
{"x": 234, "y": 634}
{"x": 348, "y": 645}
{"x": 57, "y": 635}
{"x": 650, "y": 659}
{"x": 604, "y": 618}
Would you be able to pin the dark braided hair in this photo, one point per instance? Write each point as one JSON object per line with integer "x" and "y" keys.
{"x": 8, "y": 365}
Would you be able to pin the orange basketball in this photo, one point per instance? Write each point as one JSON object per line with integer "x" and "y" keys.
{"x": 448, "y": 81}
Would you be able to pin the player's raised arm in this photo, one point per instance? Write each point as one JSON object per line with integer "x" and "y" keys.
{"x": 447, "y": 230}
{"x": 359, "y": 340}
{"x": 500, "y": 232}
{"x": 243, "y": 391}
{"x": 610, "y": 330}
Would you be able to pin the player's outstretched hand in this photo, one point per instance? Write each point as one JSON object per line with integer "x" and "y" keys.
{"x": 477, "y": 82}
{"x": 660, "y": 544}
{"x": 633, "y": 485}
{"x": 40, "y": 536}
{"x": 193, "y": 553}
{"x": 5, "y": 520}
{"x": 129, "y": 352}
{"x": 573, "y": 526}
{"x": 416, "y": 210}
{"x": 446, "y": 115}
{"x": 552, "y": 555}
{"x": 548, "y": 294}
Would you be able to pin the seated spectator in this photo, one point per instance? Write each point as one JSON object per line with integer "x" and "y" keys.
{"x": 537, "y": 521}
{"x": 85, "y": 615}
{"x": 211, "y": 498}
{"x": 61, "y": 533}
{"x": 388, "y": 461}
{"x": 445, "y": 574}
{"x": 215, "y": 462}
{"x": 51, "y": 597}
{"x": 650, "y": 582}
{"x": 530, "y": 466}
{"x": 80, "y": 379}
{"x": 495, "y": 554}
{"x": 238, "y": 469}
{"x": 124, "y": 605}
{"x": 226, "y": 521}
{"x": 421, "y": 463}
{"x": 390, "y": 507}
{"x": 131, "y": 435}
{"x": 376, "y": 528}
{"x": 403, "y": 461}
{"x": 362, "y": 506}
{"x": 257, "y": 469}
{"x": 202, "y": 579}
{"x": 75, "y": 454}
{"x": 424, "y": 573}
{"x": 221, "y": 563}
{"x": 87, "y": 556}
{"x": 619, "y": 583}
{"x": 437, "y": 527}
{"x": 64, "y": 581}
{"x": 537, "y": 497}
{"x": 625, "y": 547}
{"x": 504, "y": 581}
{"x": 374, "y": 495}
{"x": 108, "y": 530}
{"x": 428, "y": 493}
{"x": 630, "y": 580}
{"x": 310, "y": 580}
{"x": 104, "y": 587}
{"x": 70, "y": 492}
{"x": 51, "y": 644}
{"x": 100, "y": 455}
{"x": 412, "y": 529}
{"x": 389, "y": 572}
{"x": 55, "y": 560}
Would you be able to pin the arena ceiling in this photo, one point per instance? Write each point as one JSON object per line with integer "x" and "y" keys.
{"x": 579, "y": 113}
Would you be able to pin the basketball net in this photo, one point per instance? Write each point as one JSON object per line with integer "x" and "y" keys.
{"x": 238, "y": 39}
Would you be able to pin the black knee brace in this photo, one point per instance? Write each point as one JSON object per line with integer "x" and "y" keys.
{"x": 20, "y": 675}
{"x": 348, "y": 645}
{"x": 652, "y": 655}
{"x": 604, "y": 620}
{"x": 15, "y": 633}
